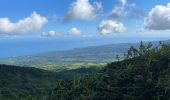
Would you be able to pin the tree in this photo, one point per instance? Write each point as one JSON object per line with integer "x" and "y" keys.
{"x": 117, "y": 57}
{"x": 132, "y": 52}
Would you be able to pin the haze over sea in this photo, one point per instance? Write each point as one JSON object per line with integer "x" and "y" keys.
{"x": 29, "y": 46}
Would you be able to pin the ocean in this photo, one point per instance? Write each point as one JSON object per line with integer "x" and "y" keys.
{"x": 29, "y": 46}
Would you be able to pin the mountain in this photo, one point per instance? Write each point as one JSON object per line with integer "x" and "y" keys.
{"x": 143, "y": 75}
{"x": 71, "y": 59}
{"x": 75, "y": 58}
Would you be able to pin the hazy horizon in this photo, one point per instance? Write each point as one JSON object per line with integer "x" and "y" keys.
{"x": 43, "y": 26}
{"x": 25, "y": 47}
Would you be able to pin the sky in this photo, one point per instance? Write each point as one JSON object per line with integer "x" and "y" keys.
{"x": 36, "y": 26}
{"x": 85, "y": 18}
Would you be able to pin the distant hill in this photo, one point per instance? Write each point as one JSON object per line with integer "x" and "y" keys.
{"x": 143, "y": 75}
{"x": 89, "y": 56}
{"x": 72, "y": 59}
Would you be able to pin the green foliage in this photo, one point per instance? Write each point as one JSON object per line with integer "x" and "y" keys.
{"x": 25, "y": 83}
{"x": 143, "y": 75}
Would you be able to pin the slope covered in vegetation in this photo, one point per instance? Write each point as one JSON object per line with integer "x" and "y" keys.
{"x": 26, "y": 83}
{"x": 143, "y": 75}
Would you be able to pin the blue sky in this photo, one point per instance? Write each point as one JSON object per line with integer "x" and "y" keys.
{"x": 36, "y": 26}
{"x": 102, "y": 18}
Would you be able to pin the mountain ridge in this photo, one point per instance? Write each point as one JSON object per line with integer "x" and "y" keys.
{"x": 75, "y": 58}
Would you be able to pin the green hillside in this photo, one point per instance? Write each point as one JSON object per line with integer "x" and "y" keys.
{"x": 73, "y": 59}
{"x": 26, "y": 83}
{"x": 143, "y": 75}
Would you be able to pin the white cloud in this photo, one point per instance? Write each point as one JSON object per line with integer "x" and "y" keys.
{"x": 98, "y": 6}
{"x": 82, "y": 10}
{"x": 109, "y": 26}
{"x": 125, "y": 10}
{"x": 158, "y": 18}
{"x": 123, "y": 2}
{"x": 50, "y": 33}
{"x": 117, "y": 12}
{"x": 29, "y": 24}
{"x": 74, "y": 31}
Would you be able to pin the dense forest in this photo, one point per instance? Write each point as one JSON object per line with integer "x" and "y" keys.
{"x": 19, "y": 83}
{"x": 143, "y": 75}
{"x": 26, "y": 83}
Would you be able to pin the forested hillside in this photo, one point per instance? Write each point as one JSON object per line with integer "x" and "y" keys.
{"x": 26, "y": 83}
{"x": 143, "y": 75}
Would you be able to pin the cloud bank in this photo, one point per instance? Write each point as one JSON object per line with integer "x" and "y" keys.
{"x": 109, "y": 26}
{"x": 126, "y": 11}
{"x": 32, "y": 23}
{"x": 123, "y": 2}
{"x": 82, "y": 10}
{"x": 158, "y": 18}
